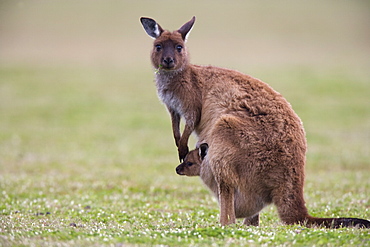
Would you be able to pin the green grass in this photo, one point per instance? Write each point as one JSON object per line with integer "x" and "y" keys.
{"x": 87, "y": 158}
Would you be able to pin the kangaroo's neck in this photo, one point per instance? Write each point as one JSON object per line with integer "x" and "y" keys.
{"x": 174, "y": 83}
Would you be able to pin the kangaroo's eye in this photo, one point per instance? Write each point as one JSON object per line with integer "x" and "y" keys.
{"x": 189, "y": 164}
{"x": 158, "y": 47}
{"x": 179, "y": 48}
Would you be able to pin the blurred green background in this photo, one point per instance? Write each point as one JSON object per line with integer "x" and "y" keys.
{"x": 80, "y": 122}
{"x": 239, "y": 34}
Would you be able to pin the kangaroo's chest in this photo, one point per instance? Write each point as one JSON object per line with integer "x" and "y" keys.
{"x": 172, "y": 95}
{"x": 180, "y": 97}
{"x": 172, "y": 100}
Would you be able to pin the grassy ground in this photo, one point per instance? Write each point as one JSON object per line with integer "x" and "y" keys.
{"x": 87, "y": 156}
{"x": 85, "y": 161}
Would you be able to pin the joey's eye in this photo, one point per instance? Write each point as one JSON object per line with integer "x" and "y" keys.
{"x": 189, "y": 164}
{"x": 179, "y": 48}
{"x": 158, "y": 47}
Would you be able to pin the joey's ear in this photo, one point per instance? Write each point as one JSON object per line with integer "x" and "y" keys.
{"x": 185, "y": 29}
{"x": 203, "y": 149}
{"x": 152, "y": 28}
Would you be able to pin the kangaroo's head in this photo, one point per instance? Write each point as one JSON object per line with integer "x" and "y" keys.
{"x": 193, "y": 161}
{"x": 169, "y": 52}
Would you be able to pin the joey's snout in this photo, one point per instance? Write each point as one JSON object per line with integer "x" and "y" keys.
{"x": 180, "y": 169}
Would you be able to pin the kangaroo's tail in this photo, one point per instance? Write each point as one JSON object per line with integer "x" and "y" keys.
{"x": 337, "y": 222}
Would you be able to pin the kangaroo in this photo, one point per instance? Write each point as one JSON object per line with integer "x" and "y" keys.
{"x": 257, "y": 143}
{"x": 193, "y": 165}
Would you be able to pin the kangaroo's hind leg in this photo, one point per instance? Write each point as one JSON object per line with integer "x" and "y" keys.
{"x": 226, "y": 199}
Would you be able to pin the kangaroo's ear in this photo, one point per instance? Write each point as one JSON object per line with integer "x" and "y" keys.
{"x": 203, "y": 149}
{"x": 186, "y": 28}
{"x": 152, "y": 28}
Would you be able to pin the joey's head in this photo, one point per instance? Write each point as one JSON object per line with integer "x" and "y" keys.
{"x": 193, "y": 161}
{"x": 169, "y": 52}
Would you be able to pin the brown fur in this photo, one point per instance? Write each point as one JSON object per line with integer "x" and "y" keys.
{"x": 248, "y": 203}
{"x": 257, "y": 143}
{"x": 193, "y": 166}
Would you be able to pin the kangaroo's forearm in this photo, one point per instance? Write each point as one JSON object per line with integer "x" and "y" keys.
{"x": 183, "y": 145}
{"x": 175, "y": 119}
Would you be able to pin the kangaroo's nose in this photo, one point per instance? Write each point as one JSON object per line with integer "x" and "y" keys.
{"x": 168, "y": 60}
